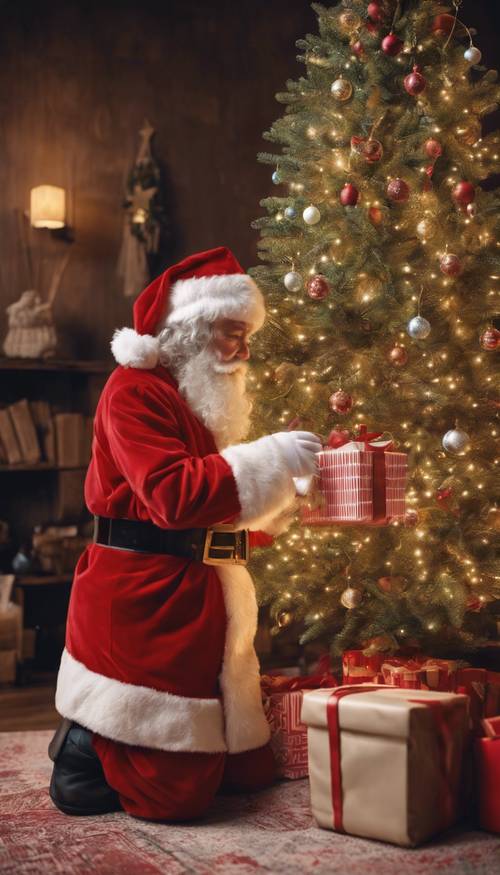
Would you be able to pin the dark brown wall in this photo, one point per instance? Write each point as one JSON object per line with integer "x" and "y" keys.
{"x": 76, "y": 81}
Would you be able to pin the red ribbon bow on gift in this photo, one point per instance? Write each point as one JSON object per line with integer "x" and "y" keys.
{"x": 337, "y": 439}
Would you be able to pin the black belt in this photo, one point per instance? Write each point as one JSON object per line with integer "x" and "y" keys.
{"x": 217, "y": 545}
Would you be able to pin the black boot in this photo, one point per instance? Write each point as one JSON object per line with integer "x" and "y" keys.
{"x": 78, "y": 785}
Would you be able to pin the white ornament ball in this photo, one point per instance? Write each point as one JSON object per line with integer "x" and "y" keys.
{"x": 472, "y": 55}
{"x": 425, "y": 228}
{"x": 351, "y": 598}
{"x": 418, "y": 328}
{"x": 311, "y": 215}
{"x": 341, "y": 89}
{"x": 456, "y": 441}
{"x": 293, "y": 281}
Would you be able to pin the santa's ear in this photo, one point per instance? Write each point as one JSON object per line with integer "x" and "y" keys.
{"x": 133, "y": 350}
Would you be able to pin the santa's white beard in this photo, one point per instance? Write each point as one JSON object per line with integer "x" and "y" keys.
{"x": 216, "y": 393}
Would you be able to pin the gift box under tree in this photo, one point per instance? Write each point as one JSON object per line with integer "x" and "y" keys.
{"x": 384, "y": 762}
{"x": 359, "y": 481}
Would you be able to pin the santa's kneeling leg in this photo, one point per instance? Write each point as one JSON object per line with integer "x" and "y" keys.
{"x": 94, "y": 775}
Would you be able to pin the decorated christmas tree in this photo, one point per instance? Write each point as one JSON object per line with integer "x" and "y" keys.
{"x": 381, "y": 269}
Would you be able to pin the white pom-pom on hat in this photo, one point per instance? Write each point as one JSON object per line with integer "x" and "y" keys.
{"x": 133, "y": 350}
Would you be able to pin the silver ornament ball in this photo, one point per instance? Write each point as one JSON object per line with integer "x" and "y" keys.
{"x": 290, "y": 213}
{"x": 341, "y": 89}
{"x": 311, "y": 215}
{"x": 418, "y": 328}
{"x": 276, "y": 178}
{"x": 472, "y": 55}
{"x": 292, "y": 281}
{"x": 351, "y": 598}
{"x": 456, "y": 441}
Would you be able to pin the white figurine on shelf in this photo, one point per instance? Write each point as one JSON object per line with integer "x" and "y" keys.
{"x": 31, "y": 331}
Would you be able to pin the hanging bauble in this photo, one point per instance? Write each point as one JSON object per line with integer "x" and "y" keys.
{"x": 358, "y": 49}
{"x": 351, "y": 598}
{"x": 375, "y": 215}
{"x": 369, "y": 149}
{"x": 415, "y": 83}
{"x": 284, "y": 619}
{"x": 456, "y": 441}
{"x": 341, "y": 89}
{"x": 472, "y": 55}
{"x": 276, "y": 178}
{"x": 318, "y": 287}
{"x": 418, "y": 328}
{"x": 340, "y": 402}
{"x": 464, "y": 193}
{"x": 471, "y": 210}
{"x": 443, "y": 25}
{"x": 398, "y": 190}
{"x": 490, "y": 338}
{"x": 433, "y": 148}
{"x": 398, "y": 356}
{"x": 375, "y": 12}
{"x": 470, "y": 132}
{"x": 450, "y": 264}
{"x": 349, "y": 21}
{"x": 391, "y": 45}
{"x": 311, "y": 215}
{"x": 293, "y": 281}
{"x": 349, "y": 195}
{"x": 411, "y": 517}
{"x": 290, "y": 212}
{"x": 426, "y": 229}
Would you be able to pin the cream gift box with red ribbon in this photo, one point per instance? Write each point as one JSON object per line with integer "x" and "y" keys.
{"x": 359, "y": 481}
{"x": 385, "y": 763}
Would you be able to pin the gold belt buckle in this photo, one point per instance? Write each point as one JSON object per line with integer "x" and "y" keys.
{"x": 238, "y": 551}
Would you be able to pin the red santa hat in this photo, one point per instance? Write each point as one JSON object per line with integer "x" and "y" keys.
{"x": 209, "y": 285}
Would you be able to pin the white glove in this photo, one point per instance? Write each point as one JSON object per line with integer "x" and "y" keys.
{"x": 303, "y": 484}
{"x": 299, "y": 450}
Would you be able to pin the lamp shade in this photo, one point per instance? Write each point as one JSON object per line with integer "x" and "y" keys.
{"x": 48, "y": 206}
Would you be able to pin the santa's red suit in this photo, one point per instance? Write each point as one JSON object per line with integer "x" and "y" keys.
{"x": 159, "y": 660}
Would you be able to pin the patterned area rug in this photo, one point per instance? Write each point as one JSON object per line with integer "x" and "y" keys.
{"x": 269, "y": 832}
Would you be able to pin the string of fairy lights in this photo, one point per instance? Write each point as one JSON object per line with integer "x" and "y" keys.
{"x": 450, "y": 231}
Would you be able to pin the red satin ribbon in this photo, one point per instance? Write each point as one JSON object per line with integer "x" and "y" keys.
{"x": 445, "y": 735}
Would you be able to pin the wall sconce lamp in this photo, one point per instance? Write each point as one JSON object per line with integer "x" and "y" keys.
{"x": 48, "y": 210}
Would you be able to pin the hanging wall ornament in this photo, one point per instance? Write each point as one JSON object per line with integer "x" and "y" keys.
{"x": 418, "y": 328}
{"x": 415, "y": 83}
{"x": 311, "y": 215}
{"x": 351, "y": 598}
{"x": 490, "y": 338}
{"x": 293, "y": 281}
{"x": 450, "y": 264}
{"x": 290, "y": 212}
{"x": 391, "y": 45}
{"x": 144, "y": 217}
{"x": 349, "y": 195}
{"x": 318, "y": 287}
{"x": 463, "y": 193}
{"x": 398, "y": 190}
{"x": 456, "y": 441}
{"x": 472, "y": 55}
{"x": 398, "y": 356}
{"x": 433, "y": 148}
{"x": 375, "y": 12}
{"x": 367, "y": 148}
{"x": 341, "y": 89}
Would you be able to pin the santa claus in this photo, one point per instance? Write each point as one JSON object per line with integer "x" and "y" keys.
{"x": 159, "y": 679}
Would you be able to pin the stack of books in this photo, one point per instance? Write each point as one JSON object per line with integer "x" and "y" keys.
{"x": 31, "y": 434}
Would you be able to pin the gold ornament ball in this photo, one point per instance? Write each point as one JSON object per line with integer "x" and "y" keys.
{"x": 341, "y": 89}
{"x": 398, "y": 356}
{"x": 351, "y": 598}
{"x": 349, "y": 21}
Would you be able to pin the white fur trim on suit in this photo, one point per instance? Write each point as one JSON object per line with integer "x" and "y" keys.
{"x": 265, "y": 486}
{"x": 234, "y": 296}
{"x": 246, "y": 724}
{"x": 138, "y": 715}
{"x": 133, "y": 350}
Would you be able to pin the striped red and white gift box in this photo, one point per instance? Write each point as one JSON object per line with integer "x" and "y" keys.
{"x": 344, "y": 490}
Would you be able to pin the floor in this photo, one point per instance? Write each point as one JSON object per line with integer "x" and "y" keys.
{"x": 29, "y": 707}
{"x": 269, "y": 832}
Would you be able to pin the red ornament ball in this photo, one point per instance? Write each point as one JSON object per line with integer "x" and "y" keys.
{"x": 450, "y": 264}
{"x": 433, "y": 148}
{"x": 398, "y": 190}
{"x": 398, "y": 356}
{"x": 464, "y": 193}
{"x": 318, "y": 287}
{"x": 415, "y": 83}
{"x": 349, "y": 195}
{"x": 391, "y": 45}
{"x": 340, "y": 402}
{"x": 443, "y": 25}
{"x": 375, "y": 215}
{"x": 358, "y": 49}
{"x": 375, "y": 12}
{"x": 368, "y": 148}
{"x": 490, "y": 338}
